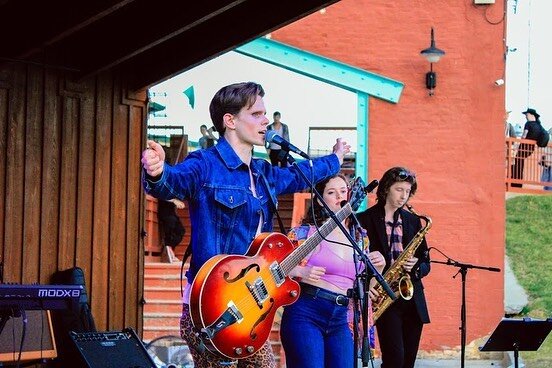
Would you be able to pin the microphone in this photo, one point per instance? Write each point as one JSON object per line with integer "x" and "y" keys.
{"x": 273, "y": 137}
{"x": 370, "y": 187}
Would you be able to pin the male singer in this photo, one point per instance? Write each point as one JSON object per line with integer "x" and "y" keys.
{"x": 230, "y": 194}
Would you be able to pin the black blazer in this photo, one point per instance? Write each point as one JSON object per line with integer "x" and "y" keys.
{"x": 373, "y": 220}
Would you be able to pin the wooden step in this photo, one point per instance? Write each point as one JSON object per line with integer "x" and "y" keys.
{"x": 168, "y": 280}
{"x": 163, "y": 269}
{"x": 162, "y": 319}
{"x": 163, "y": 306}
{"x": 162, "y": 292}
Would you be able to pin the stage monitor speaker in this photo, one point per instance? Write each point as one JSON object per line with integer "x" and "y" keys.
{"x": 116, "y": 349}
{"x": 39, "y": 342}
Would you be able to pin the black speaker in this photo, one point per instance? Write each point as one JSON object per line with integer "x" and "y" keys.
{"x": 115, "y": 349}
{"x": 38, "y": 342}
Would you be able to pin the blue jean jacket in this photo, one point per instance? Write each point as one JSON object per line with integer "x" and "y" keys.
{"x": 224, "y": 213}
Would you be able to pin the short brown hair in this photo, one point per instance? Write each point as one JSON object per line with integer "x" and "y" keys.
{"x": 231, "y": 99}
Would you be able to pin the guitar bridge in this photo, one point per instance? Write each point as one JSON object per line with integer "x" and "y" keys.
{"x": 229, "y": 317}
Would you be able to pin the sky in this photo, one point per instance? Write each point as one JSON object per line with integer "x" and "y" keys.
{"x": 529, "y": 59}
{"x": 305, "y": 102}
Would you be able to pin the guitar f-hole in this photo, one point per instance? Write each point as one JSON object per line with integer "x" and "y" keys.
{"x": 242, "y": 273}
{"x": 263, "y": 316}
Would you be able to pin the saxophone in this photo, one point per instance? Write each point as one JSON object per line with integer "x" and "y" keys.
{"x": 395, "y": 276}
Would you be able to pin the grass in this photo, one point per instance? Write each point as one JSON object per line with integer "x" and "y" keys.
{"x": 529, "y": 246}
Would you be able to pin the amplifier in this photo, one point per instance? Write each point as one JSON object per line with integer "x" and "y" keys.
{"x": 114, "y": 349}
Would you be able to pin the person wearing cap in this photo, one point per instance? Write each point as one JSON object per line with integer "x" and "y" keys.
{"x": 531, "y": 131}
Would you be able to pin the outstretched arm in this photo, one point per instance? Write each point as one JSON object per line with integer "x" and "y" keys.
{"x": 153, "y": 159}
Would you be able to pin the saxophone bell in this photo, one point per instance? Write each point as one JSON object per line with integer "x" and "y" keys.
{"x": 406, "y": 288}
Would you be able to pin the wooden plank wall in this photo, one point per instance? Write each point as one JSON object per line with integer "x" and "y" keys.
{"x": 70, "y": 192}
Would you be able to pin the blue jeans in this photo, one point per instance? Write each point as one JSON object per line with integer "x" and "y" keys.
{"x": 315, "y": 334}
{"x": 547, "y": 176}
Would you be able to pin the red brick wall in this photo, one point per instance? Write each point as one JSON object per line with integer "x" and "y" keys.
{"x": 453, "y": 140}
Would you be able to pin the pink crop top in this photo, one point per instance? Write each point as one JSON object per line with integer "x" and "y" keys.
{"x": 339, "y": 272}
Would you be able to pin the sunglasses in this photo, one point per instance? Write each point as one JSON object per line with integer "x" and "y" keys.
{"x": 405, "y": 175}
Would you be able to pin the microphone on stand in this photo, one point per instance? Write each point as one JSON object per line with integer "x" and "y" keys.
{"x": 272, "y": 137}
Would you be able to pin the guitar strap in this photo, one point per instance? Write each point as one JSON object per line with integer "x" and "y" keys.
{"x": 280, "y": 223}
{"x": 187, "y": 254}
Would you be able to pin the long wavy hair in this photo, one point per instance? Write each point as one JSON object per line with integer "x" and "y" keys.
{"x": 316, "y": 212}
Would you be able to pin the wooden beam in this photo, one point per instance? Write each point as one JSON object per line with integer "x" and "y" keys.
{"x": 134, "y": 30}
{"x": 212, "y": 38}
{"x": 28, "y": 27}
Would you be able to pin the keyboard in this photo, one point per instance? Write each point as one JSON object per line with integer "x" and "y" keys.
{"x": 35, "y": 296}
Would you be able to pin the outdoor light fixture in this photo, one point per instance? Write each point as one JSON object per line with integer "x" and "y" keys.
{"x": 433, "y": 55}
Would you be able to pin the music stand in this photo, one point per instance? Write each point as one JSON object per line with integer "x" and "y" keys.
{"x": 518, "y": 335}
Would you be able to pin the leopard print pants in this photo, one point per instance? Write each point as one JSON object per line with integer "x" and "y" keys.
{"x": 264, "y": 358}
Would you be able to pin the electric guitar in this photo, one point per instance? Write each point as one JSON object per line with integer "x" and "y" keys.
{"x": 234, "y": 297}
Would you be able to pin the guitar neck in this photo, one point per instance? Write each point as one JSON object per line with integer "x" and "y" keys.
{"x": 295, "y": 257}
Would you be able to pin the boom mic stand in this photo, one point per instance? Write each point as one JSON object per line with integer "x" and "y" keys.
{"x": 463, "y": 270}
{"x": 369, "y": 267}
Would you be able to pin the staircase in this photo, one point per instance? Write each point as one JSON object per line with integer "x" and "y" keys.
{"x": 163, "y": 302}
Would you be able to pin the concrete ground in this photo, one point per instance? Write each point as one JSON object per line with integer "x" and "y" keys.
{"x": 434, "y": 363}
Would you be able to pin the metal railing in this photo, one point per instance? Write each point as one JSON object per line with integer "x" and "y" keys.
{"x": 525, "y": 164}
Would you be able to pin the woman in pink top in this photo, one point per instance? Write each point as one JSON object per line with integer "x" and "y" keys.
{"x": 315, "y": 329}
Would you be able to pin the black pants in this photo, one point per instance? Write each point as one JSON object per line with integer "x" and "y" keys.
{"x": 399, "y": 331}
{"x": 525, "y": 150}
{"x": 278, "y": 158}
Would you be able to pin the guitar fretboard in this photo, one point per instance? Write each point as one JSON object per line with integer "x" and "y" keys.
{"x": 295, "y": 257}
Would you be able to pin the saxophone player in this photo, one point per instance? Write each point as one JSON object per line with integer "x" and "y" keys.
{"x": 391, "y": 228}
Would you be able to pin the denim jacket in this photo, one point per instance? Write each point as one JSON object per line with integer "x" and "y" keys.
{"x": 224, "y": 213}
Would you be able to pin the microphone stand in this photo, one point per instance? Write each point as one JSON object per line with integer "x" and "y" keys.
{"x": 360, "y": 294}
{"x": 369, "y": 267}
{"x": 463, "y": 270}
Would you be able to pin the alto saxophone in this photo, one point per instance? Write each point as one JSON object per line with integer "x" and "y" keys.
{"x": 395, "y": 276}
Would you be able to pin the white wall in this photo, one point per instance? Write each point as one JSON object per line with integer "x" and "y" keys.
{"x": 302, "y": 101}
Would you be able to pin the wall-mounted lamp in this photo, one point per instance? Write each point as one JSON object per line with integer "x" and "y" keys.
{"x": 433, "y": 55}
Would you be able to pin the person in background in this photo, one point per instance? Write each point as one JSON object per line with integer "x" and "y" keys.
{"x": 531, "y": 131}
{"x": 315, "y": 330}
{"x": 171, "y": 227}
{"x": 207, "y": 138}
{"x": 546, "y": 163}
{"x": 231, "y": 195}
{"x": 390, "y": 229}
{"x": 275, "y": 153}
{"x": 510, "y": 131}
